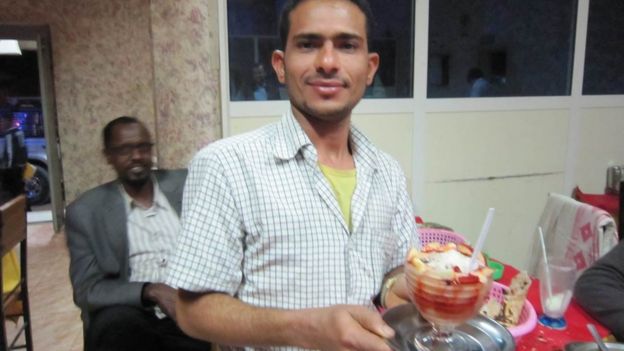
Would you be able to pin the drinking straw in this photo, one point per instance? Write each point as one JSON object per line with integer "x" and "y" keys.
{"x": 484, "y": 232}
{"x": 546, "y": 268}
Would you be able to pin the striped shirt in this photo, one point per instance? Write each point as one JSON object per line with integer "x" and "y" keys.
{"x": 152, "y": 234}
{"x": 260, "y": 222}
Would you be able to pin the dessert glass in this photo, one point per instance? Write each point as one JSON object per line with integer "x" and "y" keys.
{"x": 445, "y": 296}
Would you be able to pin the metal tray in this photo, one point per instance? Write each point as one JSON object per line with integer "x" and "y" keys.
{"x": 591, "y": 346}
{"x": 481, "y": 333}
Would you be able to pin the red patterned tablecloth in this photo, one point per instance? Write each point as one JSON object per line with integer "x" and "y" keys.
{"x": 546, "y": 339}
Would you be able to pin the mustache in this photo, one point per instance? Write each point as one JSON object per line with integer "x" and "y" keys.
{"x": 326, "y": 78}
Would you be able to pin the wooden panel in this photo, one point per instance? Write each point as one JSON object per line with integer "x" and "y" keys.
{"x": 13, "y": 223}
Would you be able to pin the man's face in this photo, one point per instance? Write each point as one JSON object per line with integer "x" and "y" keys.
{"x": 130, "y": 153}
{"x": 258, "y": 74}
{"x": 326, "y": 65}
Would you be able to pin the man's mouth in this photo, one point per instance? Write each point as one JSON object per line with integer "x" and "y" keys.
{"x": 327, "y": 86}
{"x": 137, "y": 169}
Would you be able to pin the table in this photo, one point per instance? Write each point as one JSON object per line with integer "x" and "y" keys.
{"x": 546, "y": 339}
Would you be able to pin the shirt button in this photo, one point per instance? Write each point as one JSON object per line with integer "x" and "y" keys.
{"x": 163, "y": 262}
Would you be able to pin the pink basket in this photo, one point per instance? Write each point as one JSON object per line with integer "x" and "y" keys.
{"x": 442, "y": 236}
{"x": 528, "y": 317}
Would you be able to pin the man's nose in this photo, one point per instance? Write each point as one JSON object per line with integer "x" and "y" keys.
{"x": 137, "y": 153}
{"x": 327, "y": 60}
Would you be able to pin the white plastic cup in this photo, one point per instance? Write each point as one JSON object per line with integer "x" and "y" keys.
{"x": 562, "y": 275}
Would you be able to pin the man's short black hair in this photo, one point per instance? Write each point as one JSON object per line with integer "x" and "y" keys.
{"x": 107, "y": 133}
{"x": 284, "y": 22}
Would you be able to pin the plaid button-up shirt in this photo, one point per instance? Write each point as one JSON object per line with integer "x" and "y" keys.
{"x": 261, "y": 222}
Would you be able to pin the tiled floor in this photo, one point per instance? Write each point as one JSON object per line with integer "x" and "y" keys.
{"x": 55, "y": 319}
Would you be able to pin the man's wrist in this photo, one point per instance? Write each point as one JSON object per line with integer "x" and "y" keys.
{"x": 146, "y": 300}
{"x": 386, "y": 288}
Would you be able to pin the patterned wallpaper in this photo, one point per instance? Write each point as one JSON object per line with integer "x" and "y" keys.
{"x": 149, "y": 59}
{"x": 186, "y": 77}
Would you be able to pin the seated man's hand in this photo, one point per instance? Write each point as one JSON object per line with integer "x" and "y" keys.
{"x": 162, "y": 295}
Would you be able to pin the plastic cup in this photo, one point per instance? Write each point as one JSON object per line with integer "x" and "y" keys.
{"x": 562, "y": 274}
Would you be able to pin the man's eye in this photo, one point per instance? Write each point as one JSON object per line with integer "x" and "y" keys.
{"x": 305, "y": 45}
{"x": 349, "y": 46}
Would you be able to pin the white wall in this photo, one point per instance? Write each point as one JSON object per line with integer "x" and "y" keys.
{"x": 503, "y": 159}
{"x": 601, "y": 144}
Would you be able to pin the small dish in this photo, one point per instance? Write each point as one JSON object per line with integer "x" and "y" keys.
{"x": 497, "y": 267}
{"x": 481, "y": 333}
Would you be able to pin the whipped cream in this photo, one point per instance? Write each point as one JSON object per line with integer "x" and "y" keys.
{"x": 446, "y": 260}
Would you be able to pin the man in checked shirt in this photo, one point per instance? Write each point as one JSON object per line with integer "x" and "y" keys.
{"x": 120, "y": 236}
{"x": 291, "y": 231}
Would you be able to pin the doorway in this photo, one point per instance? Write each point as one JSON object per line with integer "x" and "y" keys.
{"x": 27, "y": 77}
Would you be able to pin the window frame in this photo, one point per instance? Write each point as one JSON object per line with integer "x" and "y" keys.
{"x": 420, "y": 106}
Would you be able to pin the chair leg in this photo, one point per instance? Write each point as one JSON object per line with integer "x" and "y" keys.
{"x": 3, "y": 337}
{"x": 4, "y": 345}
{"x": 25, "y": 296}
{"x": 27, "y": 321}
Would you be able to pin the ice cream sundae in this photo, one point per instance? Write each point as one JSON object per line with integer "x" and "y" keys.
{"x": 445, "y": 290}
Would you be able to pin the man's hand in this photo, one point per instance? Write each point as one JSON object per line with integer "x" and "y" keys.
{"x": 162, "y": 295}
{"x": 346, "y": 327}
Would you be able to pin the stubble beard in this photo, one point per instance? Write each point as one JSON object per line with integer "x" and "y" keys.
{"x": 136, "y": 182}
{"x": 313, "y": 114}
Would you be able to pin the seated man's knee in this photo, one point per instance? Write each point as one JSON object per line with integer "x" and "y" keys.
{"x": 117, "y": 327}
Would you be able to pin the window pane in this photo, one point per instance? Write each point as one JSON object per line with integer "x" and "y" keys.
{"x": 604, "y": 54}
{"x": 253, "y": 35}
{"x": 500, "y": 47}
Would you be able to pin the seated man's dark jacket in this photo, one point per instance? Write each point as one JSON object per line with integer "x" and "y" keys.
{"x": 600, "y": 290}
{"x": 12, "y": 164}
{"x": 96, "y": 230}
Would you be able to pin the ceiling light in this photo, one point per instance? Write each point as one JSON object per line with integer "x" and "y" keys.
{"x": 9, "y": 47}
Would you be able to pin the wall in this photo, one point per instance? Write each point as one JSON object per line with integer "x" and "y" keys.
{"x": 152, "y": 59}
{"x": 506, "y": 160}
{"x": 186, "y": 77}
{"x": 600, "y": 145}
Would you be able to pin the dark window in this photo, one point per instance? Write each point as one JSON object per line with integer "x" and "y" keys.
{"x": 604, "y": 54}
{"x": 500, "y": 47}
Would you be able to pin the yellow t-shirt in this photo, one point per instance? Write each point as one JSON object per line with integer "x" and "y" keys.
{"x": 343, "y": 183}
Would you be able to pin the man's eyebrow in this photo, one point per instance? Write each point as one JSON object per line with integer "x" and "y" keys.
{"x": 307, "y": 36}
{"x": 349, "y": 36}
{"x": 314, "y": 36}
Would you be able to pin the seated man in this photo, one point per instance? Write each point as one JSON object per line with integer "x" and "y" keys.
{"x": 120, "y": 236}
{"x": 600, "y": 290}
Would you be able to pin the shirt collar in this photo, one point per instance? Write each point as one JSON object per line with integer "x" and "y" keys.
{"x": 129, "y": 204}
{"x": 290, "y": 139}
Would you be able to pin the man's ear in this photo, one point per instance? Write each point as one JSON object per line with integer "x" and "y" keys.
{"x": 277, "y": 61}
{"x": 373, "y": 65}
